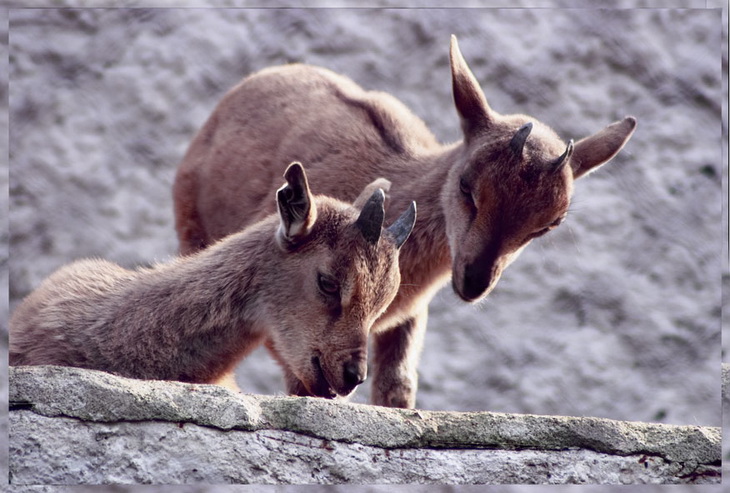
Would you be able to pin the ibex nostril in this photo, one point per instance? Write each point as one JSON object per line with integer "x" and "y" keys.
{"x": 354, "y": 373}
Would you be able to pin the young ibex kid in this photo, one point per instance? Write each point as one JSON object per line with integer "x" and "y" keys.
{"x": 310, "y": 281}
{"x": 481, "y": 200}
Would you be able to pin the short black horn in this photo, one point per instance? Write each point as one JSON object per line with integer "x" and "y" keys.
{"x": 518, "y": 141}
{"x": 564, "y": 158}
{"x": 401, "y": 229}
{"x": 370, "y": 222}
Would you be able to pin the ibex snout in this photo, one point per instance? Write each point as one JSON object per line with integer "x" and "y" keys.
{"x": 476, "y": 275}
{"x": 338, "y": 373}
{"x": 478, "y": 280}
{"x": 354, "y": 372}
{"x": 476, "y": 286}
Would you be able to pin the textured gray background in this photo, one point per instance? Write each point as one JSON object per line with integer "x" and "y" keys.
{"x": 615, "y": 314}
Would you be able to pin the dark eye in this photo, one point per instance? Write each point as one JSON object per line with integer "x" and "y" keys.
{"x": 327, "y": 285}
{"x": 465, "y": 189}
{"x": 551, "y": 226}
{"x": 557, "y": 222}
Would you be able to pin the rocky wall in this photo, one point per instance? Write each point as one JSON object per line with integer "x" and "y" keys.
{"x": 73, "y": 426}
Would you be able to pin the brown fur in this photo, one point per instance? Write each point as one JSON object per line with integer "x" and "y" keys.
{"x": 480, "y": 201}
{"x": 194, "y": 318}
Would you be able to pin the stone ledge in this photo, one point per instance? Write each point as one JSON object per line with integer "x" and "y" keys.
{"x": 79, "y": 406}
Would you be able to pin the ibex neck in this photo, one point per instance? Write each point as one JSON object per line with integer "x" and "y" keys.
{"x": 227, "y": 276}
{"x": 213, "y": 302}
{"x": 426, "y": 258}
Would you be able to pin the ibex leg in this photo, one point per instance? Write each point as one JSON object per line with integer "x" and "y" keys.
{"x": 395, "y": 356}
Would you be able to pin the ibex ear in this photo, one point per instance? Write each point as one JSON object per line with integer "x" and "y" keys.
{"x": 370, "y": 221}
{"x": 469, "y": 99}
{"x": 381, "y": 183}
{"x": 597, "y": 149}
{"x": 297, "y": 211}
{"x": 401, "y": 229}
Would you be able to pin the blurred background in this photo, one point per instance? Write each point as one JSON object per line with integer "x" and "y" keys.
{"x": 615, "y": 314}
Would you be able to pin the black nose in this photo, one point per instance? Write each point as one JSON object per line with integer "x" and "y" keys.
{"x": 355, "y": 373}
{"x": 474, "y": 286}
{"x": 479, "y": 280}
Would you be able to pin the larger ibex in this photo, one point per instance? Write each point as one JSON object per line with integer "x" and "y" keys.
{"x": 480, "y": 201}
{"x": 309, "y": 282}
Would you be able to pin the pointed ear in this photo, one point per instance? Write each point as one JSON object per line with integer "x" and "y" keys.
{"x": 469, "y": 99}
{"x": 597, "y": 149}
{"x": 401, "y": 229}
{"x": 382, "y": 183}
{"x": 297, "y": 211}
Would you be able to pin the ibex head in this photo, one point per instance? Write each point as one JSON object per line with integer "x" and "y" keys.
{"x": 339, "y": 274}
{"x": 512, "y": 183}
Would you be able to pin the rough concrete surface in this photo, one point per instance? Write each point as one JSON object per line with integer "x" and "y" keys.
{"x": 353, "y": 488}
{"x": 72, "y": 426}
{"x": 726, "y": 421}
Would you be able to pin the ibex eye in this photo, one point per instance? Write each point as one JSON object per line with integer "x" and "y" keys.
{"x": 552, "y": 226}
{"x": 327, "y": 285}
{"x": 465, "y": 188}
{"x": 557, "y": 222}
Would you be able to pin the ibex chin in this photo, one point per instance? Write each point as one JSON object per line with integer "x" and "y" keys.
{"x": 480, "y": 200}
{"x": 309, "y": 281}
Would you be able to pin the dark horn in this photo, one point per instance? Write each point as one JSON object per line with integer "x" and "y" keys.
{"x": 518, "y": 141}
{"x": 370, "y": 222}
{"x": 560, "y": 162}
{"x": 401, "y": 229}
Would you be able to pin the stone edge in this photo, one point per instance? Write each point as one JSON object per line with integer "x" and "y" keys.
{"x": 102, "y": 397}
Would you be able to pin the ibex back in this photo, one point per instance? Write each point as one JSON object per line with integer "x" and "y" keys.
{"x": 309, "y": 282}
{"x": 481, "y": 200}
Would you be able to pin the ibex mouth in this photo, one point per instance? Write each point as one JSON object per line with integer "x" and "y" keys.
{"x": 321, "y": 387}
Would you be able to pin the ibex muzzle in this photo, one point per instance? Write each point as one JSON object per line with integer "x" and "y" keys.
{"x": 480, "y": 275}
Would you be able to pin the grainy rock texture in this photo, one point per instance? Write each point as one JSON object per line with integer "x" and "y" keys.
{"x": 350, "y": 488}
{"x": 726, "y": 420}
{"x": 73, "y": 426}
{"x": 3, "y": 237}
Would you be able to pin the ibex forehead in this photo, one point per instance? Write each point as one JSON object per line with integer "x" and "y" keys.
{"x": 541, "y": 140}
{"x": 352, "y": 253}
{"x": 369, "y": 279}
{"x": 516, "y": 145}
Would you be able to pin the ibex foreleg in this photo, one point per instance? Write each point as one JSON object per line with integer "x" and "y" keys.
{"x": 395, "y": 357}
